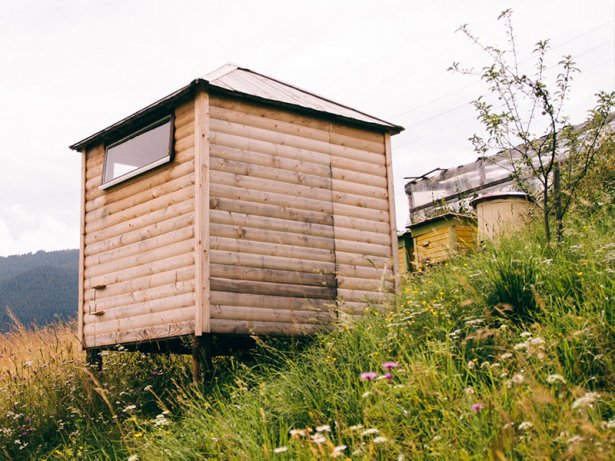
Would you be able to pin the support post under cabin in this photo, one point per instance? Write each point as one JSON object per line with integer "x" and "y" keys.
{"x": 201, "y": 358}
{"x": 94, "y": 358}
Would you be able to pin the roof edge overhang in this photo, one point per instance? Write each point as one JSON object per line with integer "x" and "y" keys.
{"x": 170, "y": 100}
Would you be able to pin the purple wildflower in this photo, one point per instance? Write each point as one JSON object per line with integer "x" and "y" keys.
{"x": 477, "y": 407}
{"x": 389, "y": 365}
{"x": 368, "y": 376}
{"x": 388, "y": 376}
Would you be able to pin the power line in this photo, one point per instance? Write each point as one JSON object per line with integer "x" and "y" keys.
{"x": 440, "y": 114}
{"x": 451, "y": 93}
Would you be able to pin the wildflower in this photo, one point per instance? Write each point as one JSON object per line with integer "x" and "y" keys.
{"x": 356, "y": 427}
{"x": 280, "y": 450}
{"x": 318, "y": 438}
{"x": 389, "y": 365}
{"x": 586, "y": 401}
{"x": 138, "y": 435}
{"x": 469, "y": 391}
{"x": 525, "y": 426}
{"x": 574, "y": 439}
{"x": 366, "y": 394}
{"x": 368, "y": 376}
{"x": 338, "y": 451}
{"x": 537, "y": 341}
{"x": 525, "y": 334}
{"x": 518, "y": 378}
{"x": 477, "y": 407}
{"x": 370, "y": 431}
{"x": 295, "y": 433}
{"x": 129, "y": 408}
{"x": 521, "y": 346}
{"x": 133, "y": 458}
{"x": 388, "y": 376}
{"x": 147, "y": 388}
{"x": 323, "y": 428}
{"x": 505, "y": 356}
{"x": 551, "y": 379}
{"x": 471, "y": 364}
{"x": 380, "y": 439}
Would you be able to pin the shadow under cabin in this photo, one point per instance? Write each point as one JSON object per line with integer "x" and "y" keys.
{"x": 238, "y": 205}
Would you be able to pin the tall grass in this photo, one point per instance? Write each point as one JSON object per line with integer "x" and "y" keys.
{"x": 503, "y": 354}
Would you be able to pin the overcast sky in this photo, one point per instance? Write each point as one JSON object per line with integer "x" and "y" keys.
{"x": 72, "y": 67}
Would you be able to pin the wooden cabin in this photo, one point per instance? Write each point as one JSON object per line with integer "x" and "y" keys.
{"x": 236, "y": 205}
{"x": 436, "y": 239}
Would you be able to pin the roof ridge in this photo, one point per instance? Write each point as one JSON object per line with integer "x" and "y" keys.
{"x": 221, "y": 71}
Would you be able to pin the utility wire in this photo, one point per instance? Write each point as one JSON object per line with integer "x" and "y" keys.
{"x": 451, "y": 93}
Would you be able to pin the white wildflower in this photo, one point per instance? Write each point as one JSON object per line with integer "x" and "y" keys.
{"x": 338, "y": 451}
{"x": 280, "y": 450}
{"x": 366, "y": 394}
{"x": 133, "y": 458}
{"x": 518, "y": 378}
{"x": 318, "y": 438}
{"x": 129, "y": 408}
{"x": 297, "y": 433}
{"x": 469, "y": 391}
{"x": 551, "y": 379}
{"x": 471, "y": 364}
{"x": 574, "y": 439}
{"x": 610, "y": 424}
{"x": 525, "y": 334}
{"x": 380, "y": 439}
{"x": 370, "y": 431}
{"x": 525, "y": 426}
{"x": 161, "y": 420}
{"x": 147, "y": 388}
{"x": 586, "y": 401}
{"x": 505, "y": 356}
{"x": 521, "y": 346}
{"x": 323, "y": 428}
{"x": 356, "y": 427}
{"x": 537, "y": 341}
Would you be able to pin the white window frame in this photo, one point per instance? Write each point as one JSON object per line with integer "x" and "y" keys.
{"x": 131, "y": 174}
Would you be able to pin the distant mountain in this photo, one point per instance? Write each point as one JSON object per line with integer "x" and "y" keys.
{"x": 39, "y": 288}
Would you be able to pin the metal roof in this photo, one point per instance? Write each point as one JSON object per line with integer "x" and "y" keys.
{"x": 244, "y": 83}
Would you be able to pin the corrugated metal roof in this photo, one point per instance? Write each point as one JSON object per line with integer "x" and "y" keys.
{"x": 242, "y": 82}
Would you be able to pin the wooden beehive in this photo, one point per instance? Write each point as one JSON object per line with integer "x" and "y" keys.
{"x": 271, "y": 213}
{"x": 501, "y": 213}
{"x": 437, "y": 239}
{"x": 405, "y": 252}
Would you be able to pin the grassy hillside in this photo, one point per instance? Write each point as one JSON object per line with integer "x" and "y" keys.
{"x": 39, "y": 288}
{"x": 504, "y": 354}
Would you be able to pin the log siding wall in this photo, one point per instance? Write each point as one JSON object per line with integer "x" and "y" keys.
{"x": 139, "y": 248}
{"x": 299, "y": 216}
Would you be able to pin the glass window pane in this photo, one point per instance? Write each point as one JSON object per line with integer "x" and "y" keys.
{"x": 135, "y": 154}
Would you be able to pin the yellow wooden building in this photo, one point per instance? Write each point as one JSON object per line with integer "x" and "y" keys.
{"x": 236, "y": 205}
{"x": 436, "y": 239}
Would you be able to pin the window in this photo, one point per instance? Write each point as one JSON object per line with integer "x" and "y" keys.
{"x": 141, "y": 151}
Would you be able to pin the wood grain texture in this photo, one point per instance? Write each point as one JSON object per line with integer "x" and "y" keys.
{"x": 81, "y": 283}
{"x": 202, "y": 225}
{"x": 139, "y": 248}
